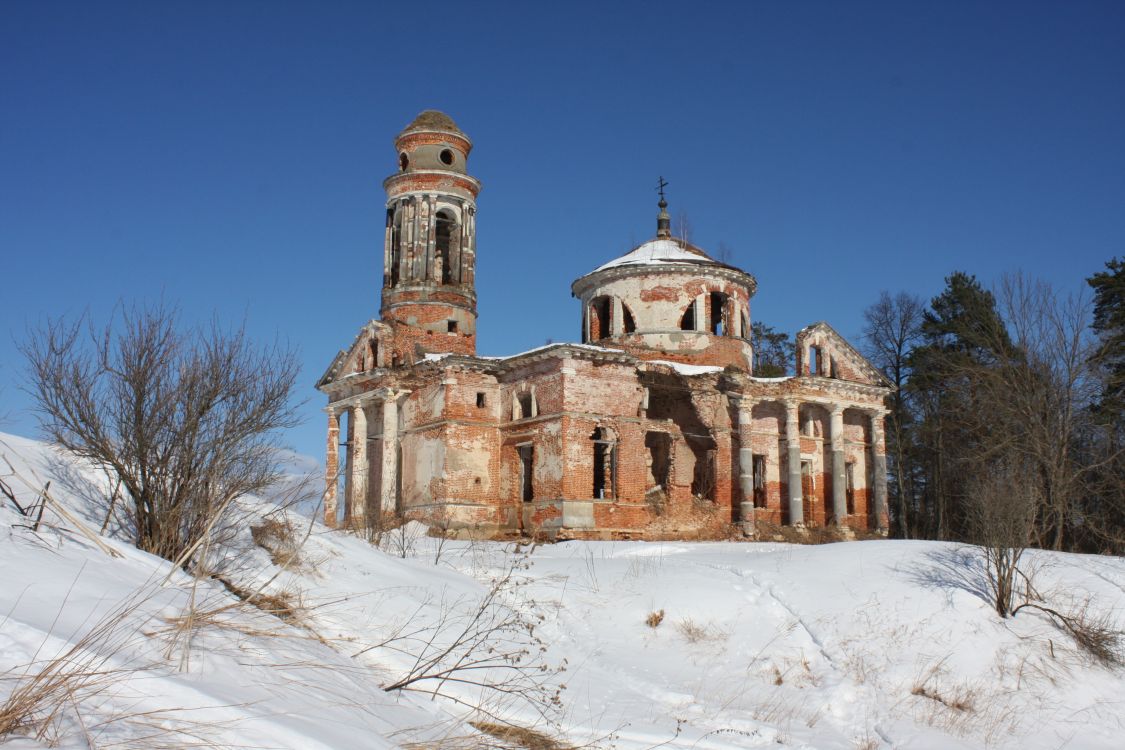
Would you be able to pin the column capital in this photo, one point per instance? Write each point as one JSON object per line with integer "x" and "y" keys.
{"x": 837, "y": 409}
{"x": 743, "y": 401}
{"x": 389, "y": 393}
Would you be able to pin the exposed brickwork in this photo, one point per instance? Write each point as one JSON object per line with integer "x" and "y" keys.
{"x": 591, "y": 442}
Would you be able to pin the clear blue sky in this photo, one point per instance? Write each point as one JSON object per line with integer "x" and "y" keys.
{"x": 228, "y": 156}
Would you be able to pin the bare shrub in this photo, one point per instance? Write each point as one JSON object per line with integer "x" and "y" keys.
{"x": 491, "y": 647}
{"x": 1097, "y": 635}
{"x": 694, "y": 632}
{"x": 654, "y": 619}
{"x": 1003, "y": 499}
{"x": 187, "y": 420}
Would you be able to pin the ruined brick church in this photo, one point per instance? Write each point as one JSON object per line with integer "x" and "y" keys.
{"x": 654, "y": 426}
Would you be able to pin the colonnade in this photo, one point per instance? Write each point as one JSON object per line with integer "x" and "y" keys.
{"x": 793, "y": 455}
{"x": 357, "y": 499}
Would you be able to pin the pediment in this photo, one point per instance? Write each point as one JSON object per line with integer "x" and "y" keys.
{"x": 365, "y": 353}
{"x": 822, "y": 352}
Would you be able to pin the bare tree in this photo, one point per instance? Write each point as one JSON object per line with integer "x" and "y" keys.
{"x": 725, "y": 253}
{"x": 683, "y": 227}
{"x": 1038, "y": 397}
{"x": 186, "y": 420}
{"x": 892, "y": 328}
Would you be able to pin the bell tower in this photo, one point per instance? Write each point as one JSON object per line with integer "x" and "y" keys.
{"x": 429, "y": 251}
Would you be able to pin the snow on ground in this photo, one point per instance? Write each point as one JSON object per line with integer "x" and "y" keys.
{"x": 881, "y": 644}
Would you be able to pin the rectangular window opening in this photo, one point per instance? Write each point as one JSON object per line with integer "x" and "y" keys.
{"x": 527, "y": 486}
{"x": 759, "y": 480}
{"x": 480, "y": 400}
{"x": 451, "y": 326}
{"x": 849, "y": 472}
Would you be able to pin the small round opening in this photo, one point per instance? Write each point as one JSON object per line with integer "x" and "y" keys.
{"x": 403, "y": 162}
{"x": 446, "y": 156}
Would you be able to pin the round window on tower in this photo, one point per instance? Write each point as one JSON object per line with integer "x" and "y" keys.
{"x": 403, "y": 162}
{"x": 446, "y": 156}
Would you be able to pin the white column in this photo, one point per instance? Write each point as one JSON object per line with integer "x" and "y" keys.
{"x": 839, "y": 480}
{"x": 793, "y": 445}
{"x": 331, "y": 469}
{"x": 388, "y": 489}
{"x": 879, "y": 472}
{"x": 746, "y": 466}
{"x": 357, "y": 502}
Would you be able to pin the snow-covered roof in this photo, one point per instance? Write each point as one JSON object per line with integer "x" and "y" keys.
{"x": 683, "y": 369}
{"x": 660, "y": 251}
{"x": 557, "y": 344}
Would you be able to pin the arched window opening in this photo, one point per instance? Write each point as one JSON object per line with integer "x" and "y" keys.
{"x": 599, "y": 318}
{"x": 630, "y": 325}
{"x": 395, "y": 220}
{"x": 526, "y": 403}
{"x": 443, "y": 239}
{"x": 687, "y": 322}
{"x": 717, "y": 324}
{"x": 816, "y": 361}
{"x": 403, "y": 161}
{"x": 373, "y": 353}
{"x": 849, "y": 487}
{"x": 605, "y": 464}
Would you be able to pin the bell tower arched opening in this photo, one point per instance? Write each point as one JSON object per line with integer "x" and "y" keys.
{"x": 429, "y": 295}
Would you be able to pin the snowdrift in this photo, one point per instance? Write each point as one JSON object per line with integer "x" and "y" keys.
{"x": 884, "y": 644}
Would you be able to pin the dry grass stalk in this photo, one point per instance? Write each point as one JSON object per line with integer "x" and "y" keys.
{"x": 961, "y": 700}
{"x": 693, "y": 632}
{"x": 49, "y": 687}
{"x": 278, "y": 537}
{"x": 519, "y": 737}
{"x": 654, "y": 619}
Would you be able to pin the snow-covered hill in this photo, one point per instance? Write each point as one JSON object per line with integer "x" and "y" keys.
{"x": 675, "y": 645}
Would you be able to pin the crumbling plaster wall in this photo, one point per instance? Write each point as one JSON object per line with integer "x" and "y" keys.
{"x": 657, "y": 303}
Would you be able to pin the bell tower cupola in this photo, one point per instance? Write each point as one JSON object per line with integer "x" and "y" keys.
{"x": 429, "y": 251}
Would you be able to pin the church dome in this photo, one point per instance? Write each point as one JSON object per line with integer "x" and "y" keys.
{"x": 433, "y": 119}
{"x": 668, "y": 299}
{"x": 661, "y": 251}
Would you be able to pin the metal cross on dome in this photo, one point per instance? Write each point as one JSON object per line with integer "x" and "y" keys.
{"x": 660, "y": 185}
